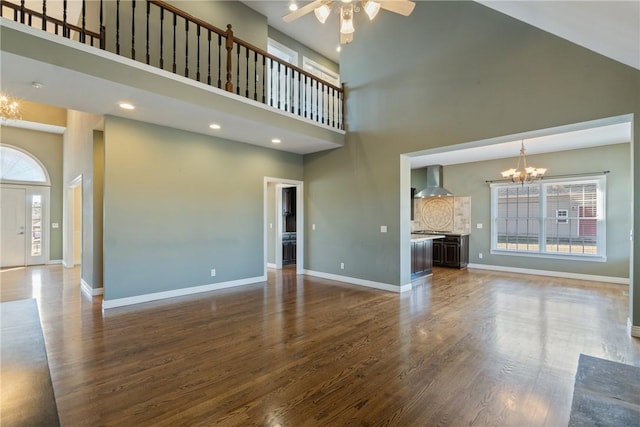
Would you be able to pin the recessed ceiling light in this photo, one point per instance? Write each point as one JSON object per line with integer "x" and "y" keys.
{"x": 276, "y": 140}
{"x": 126, "y": 106}
{"x": 293, "y": 7}
{"x": 37, "y": 85}
{"x": 214, "y": 126}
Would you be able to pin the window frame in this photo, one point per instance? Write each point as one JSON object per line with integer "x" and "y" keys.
{"x": 541, "y": 218}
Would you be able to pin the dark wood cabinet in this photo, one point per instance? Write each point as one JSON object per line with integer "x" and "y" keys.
{"x": 289, "y": 201}
{"x": 452, "y": 251}
{"x": 421, "y": 258}
{"x": 289, "y": 248}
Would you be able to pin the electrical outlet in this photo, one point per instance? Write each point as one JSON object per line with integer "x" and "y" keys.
{"x": 478, "y": 226}
{"x": 383, "y": 228}
{"x": 313, "y": 226}
{"x": 342, "y": 266}
{"x": 213, "y": 272}
{"x": 480, "y": 255}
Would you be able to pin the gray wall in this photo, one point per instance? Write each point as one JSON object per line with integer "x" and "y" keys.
{"x": 47, "y": 147}
{"x": 98, "y": 187}
{"x": 178, "y": 204}
{"x": 452, "y": 72}
{"x": 469, "y": 180}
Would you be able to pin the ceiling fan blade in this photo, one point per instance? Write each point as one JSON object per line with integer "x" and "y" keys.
{"x": 303, "y": 10}
{"x": 403, "y": 7}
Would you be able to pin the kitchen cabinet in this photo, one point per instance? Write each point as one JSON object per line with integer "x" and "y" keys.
{"x": 289, "y": 201}
{"x": 289, "y": 248}
{"x": 421, "y": 258}
{"x": 452, "y": 251}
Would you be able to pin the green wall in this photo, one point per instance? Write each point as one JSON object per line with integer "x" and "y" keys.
{"x": 47, "y": 147}
{"x": 451, "y": 73}
{"x": 469, "y": 180}
{"x": 178, "y": 204}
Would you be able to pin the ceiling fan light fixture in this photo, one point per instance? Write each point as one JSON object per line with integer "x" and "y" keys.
{"x": 322, "y": 13}
{"x": 346, "y": 20}
{"x": 371, "y": 8}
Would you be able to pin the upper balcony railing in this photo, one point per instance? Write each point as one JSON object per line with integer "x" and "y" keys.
{"x": 170, "y": 39}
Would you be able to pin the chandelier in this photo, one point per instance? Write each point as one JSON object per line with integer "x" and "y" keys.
{"x": 9, "y": 109}
{"x": 346, "y": 9}
{"x": 523, "y": 174}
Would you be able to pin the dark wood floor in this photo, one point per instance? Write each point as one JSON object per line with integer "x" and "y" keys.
{"x": 469, "y": 348}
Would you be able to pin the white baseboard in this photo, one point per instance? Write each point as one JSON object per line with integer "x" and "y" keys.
{"x": 271, "y": 265}
{"x": 138, "y": 299}
{"x": 54, "y": 261}
{"x": 359, "y": 282}
{"x": 87, "y": 289}
{"x": 634, "y": 331}
{"x": 565, "y": 275}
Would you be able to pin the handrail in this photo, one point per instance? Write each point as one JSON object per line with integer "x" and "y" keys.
{"x": 265, "y": 78}
{"x": 24, "y": 11}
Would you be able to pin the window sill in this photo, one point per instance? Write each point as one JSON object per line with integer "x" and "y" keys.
{"x": 589, "y": 258}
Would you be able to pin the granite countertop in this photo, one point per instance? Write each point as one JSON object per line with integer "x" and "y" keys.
{"x": 420, "y": 237}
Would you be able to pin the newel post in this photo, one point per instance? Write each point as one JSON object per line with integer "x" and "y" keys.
{"x": 229, "y": 45}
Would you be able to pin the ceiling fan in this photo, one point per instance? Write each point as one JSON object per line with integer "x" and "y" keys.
{"x": 346, "y": 8}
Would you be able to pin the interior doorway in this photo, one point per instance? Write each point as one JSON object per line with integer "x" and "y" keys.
{"x": 283, "y": 224}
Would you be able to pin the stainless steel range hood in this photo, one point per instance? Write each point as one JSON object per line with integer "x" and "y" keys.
{"x": 434, "y": 183}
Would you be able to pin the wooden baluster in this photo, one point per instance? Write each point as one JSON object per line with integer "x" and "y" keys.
{"x": 317, "y": 101}
{"x": 22, "y": 11}
{"x": 30, "y": 19}
{"x": 264, "y": 78}
{"x": 278, "y": 91}
{"x": 44, "y": 15}
{"x": 133, "y": 28}
{"x": 198, "y": 54}
{"x": 186, "y": 48}
{"x": 219, "y": 61}
{"x": 102, "y": 32}
{"x": 175, "y": 22}
{"x": 305, "y": 96}
{"x": 84, "y": 21}
{"x": 161, "y": 38}
{"x": 246, "y": 90}
{"x": 229, "y": 46}
{"x": 271, "y": 82}
{"x": 209, "y": 57}
{"x": 299, "y": 93}
{"x": 148, "y": 57}
{"x": 333, "y": 107}
{"x": 286, "y": 88}
{"x": 238, "y": 70}
{"x": 255, "y": 79}
{"x": 342, "y": 105}
{"x": 118, "y": 27}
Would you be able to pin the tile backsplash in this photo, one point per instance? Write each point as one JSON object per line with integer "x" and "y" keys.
{"x": 451, "y": 214}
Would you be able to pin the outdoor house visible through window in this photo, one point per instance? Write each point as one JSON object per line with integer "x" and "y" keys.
{"x": 556, "y": 218}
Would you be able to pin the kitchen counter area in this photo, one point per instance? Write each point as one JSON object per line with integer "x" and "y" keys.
{"x": 435, "y": 248}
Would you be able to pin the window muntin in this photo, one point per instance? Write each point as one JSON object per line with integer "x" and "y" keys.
{"x": 18, "y": 166}
{"x": 555, "y": 218}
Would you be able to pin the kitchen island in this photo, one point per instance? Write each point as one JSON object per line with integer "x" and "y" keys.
{"x": 422, "y": 254}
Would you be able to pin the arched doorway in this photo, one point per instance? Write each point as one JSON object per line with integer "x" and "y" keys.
{"x": 24, "y": 208}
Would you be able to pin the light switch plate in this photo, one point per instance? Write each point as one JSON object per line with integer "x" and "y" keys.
{"x": 383, "y": 228}
{"x": 478, "y": 226}
{"x": 54, "y": 225}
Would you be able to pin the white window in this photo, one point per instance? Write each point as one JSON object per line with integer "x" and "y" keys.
{"x": 18, "y": 166}
{"x": 282, "y": 89}
{"x": 557, "y": 218}
{"x": 320, "y": 102}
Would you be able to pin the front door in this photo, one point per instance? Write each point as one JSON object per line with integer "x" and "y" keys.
{"x": 13, "y": 227}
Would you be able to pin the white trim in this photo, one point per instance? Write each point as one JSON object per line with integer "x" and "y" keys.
{"x": 271, "y": 265}
{"x": 40, "y": 127}
{"x": 634, "y": 331}
{"x": 138, "y": 299}
{"x": 54, "y": 261}
{"x": 562, "y": 274}
{"x": 87, "y": 289}
{"x": 360, "y": 282}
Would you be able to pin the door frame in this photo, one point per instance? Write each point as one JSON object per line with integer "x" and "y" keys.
{"x": 68, "y": 256}
{"x": 30, "y": 190}
{"x": 282, "y": 183}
